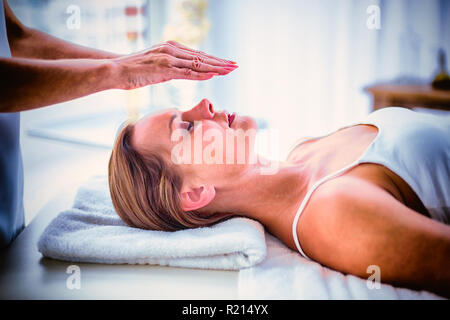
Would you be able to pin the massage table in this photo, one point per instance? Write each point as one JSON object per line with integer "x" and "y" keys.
{"x": 26, "y": 274}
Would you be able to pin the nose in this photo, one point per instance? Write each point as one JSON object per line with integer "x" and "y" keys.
{"x": 203, "y": 110}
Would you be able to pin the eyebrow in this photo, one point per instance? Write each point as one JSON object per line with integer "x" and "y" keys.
{"x": 170, "y": 123}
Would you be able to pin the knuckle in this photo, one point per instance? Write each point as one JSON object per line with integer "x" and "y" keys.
{"x": 164, "y": 59}
{"x": 163, "y": 49}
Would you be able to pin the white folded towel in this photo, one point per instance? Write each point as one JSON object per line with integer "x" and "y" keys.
{"x": 91, "y": 231}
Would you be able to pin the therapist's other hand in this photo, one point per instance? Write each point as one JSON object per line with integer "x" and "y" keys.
{"x": 167, "y": 61}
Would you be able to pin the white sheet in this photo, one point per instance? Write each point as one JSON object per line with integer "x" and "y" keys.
{"x": 284, "y": 274}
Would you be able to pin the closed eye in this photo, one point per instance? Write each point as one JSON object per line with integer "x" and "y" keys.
{"x": 188, "y": 125}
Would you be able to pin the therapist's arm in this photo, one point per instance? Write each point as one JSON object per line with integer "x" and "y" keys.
{"x": 27, "y": 84}
{"x": 26, "y": 42}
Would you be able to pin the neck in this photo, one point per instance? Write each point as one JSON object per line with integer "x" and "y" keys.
{"x": 265, "y": 197}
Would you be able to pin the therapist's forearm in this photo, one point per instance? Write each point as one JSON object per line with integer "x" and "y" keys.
{"x": 27, "y": 84}
{"x": 26, "y": 42}
{"x": 32, "y": 43}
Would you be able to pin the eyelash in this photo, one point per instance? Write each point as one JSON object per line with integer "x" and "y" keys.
{"x": 190, "y": 125}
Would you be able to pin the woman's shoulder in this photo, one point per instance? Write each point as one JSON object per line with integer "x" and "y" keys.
{"x": 336, "y": 191}
{"x": 344, "y": 192}
{"x": 335, "y": 205}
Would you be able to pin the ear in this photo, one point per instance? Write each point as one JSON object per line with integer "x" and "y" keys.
{"x": 193, "y": 198}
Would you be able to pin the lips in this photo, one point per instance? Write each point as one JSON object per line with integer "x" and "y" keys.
{"x": 231, "y": 118}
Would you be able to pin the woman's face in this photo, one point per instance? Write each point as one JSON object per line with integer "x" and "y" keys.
{"x": 207, "y": 146}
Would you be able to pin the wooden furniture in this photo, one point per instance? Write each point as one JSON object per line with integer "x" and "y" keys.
{"x": 409, "y": 96}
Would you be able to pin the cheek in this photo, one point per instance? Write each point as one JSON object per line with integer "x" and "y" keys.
{"x": 212, "y": 150}
{"x": 213, "y": 128}
{"x": 212, "y": 137}
{"x": 217, "y": 173}
{"x": 207, "y": 173}
{"x": 164, "y": 150}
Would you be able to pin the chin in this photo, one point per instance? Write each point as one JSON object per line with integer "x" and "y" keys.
{"x": 244, "y": 123}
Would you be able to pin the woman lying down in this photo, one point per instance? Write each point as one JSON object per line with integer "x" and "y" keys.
{"x": 375, "y": 193}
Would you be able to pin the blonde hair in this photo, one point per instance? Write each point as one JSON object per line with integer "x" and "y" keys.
{"x": 145, "y": 190}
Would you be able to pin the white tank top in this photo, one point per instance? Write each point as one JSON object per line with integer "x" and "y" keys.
{"x": 415, "y": 146}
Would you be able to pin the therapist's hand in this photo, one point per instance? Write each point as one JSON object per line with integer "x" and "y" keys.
{"x": 167, "y": 61}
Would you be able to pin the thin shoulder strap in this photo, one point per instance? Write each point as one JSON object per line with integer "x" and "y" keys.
{"x": 306, "y": 199}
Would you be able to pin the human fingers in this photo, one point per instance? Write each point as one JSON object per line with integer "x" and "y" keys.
{"x": 168, "y": 48}
{"x": 181, "y": 54}
{"x": 197, "y": 52}
{"x": 189, "y": 74}
{"x": 199, "y": 65}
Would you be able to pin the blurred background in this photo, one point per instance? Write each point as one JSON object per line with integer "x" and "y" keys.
{"x": 305, "y": 68}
